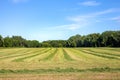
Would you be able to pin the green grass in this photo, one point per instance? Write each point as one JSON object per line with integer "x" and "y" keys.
{"x": 99, "y": 54}
{"x": 60, "y": 63}
{"x": 39, "y": 53}
{"x": 49, "y": 57}
{"x": 59, "y": 70}
{"x": 105, "y": 53}
{"x": 59, "y": 60}
{"x": 67, "y": 57}
{"x": 18, "y": 53}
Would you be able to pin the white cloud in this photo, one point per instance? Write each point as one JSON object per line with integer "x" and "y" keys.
{"x": 73, "y": 26}
{"x": 90, "y": 3}
{"x": 68, "y": 27}
{"x": 104, "y": 12}
{"x": 116, "y": 19}
{"x": 80, "y": 21}
{"x": 86, "y": 17}
{"x": 18, "y": 1}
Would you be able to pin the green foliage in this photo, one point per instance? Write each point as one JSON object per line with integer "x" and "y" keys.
{"x": 55, "y": 43}
{"x": 8, "y": 42}
{"x": 106, "y": 39}
{"x": 17, "y": 41}
{"x": 111, "y": 38}
{"x": 45, "y": 44}
{"x": 1, "y": 41}
{"x": 32, "y": 43}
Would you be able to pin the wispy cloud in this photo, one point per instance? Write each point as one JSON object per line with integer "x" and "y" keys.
{"x": 117, "y": 19}
{"x": 80, "y": 21}
{"x": 18, "y": 1}
{"x": 105, "y": 12}
{"x": 90, "y": 3}
{"x": 73, "y": 26}
{"x": 84, "y": 17}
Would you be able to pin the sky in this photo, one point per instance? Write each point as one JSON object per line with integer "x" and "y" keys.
{"x": 57, "y": 19}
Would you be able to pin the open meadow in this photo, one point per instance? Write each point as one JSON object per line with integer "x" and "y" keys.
{"x": 60, "y": 63}
{"x": 60, "y": 40}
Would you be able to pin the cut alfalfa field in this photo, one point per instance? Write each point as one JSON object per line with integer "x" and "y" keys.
{"x": 59, "y": 61}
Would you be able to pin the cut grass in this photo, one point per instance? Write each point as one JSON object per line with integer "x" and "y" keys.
{"x": 63, "y": 76}
{"x": 21, "y": 59}
{"x": 99, "y": 55}
{"x": 111, "y": 49}
{"x": 18, "y": 54}
{"x": 67, "y": 57}
{"x": 105, "y": 53}
{"x": 46, "y": 58}
{"x": 49, "y": 57}
{"x": 9, "y": 52}
{"x": 59, "y": 70}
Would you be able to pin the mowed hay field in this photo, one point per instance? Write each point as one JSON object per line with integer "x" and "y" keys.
{"x": 60, "y": 63}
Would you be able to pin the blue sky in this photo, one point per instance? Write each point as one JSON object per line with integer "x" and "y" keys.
{"x": 57, "y": 19}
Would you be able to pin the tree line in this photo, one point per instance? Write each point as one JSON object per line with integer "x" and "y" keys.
{"x": 105, "y": 39}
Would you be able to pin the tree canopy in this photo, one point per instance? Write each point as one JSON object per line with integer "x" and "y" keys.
{"x": 105, "y": 39}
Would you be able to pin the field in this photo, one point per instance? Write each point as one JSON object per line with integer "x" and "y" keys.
{"x": 60, "y": 63}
